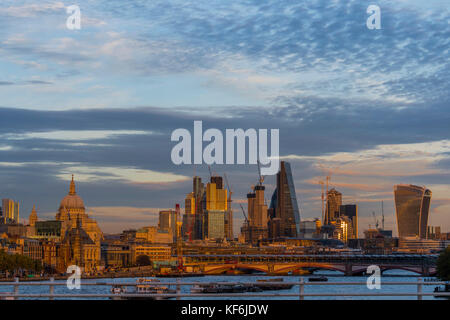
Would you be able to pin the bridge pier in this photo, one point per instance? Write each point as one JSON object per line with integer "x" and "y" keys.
{"x": 425, "y": 271}
{"x": 270, "y": 268}
{"x": 348, "y": 269}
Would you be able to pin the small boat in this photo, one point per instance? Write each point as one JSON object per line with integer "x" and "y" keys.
{"x": 252, "y": 288}
{"x": 218, "y": 288}
{"x": 266, "y": 284}
{"x": 445, "y": 289}
{"x": 318, "y": 279}
{"x": 6, "y": 297}
{"x": 143, "y": 286}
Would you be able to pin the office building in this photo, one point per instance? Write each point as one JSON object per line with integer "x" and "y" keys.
{"x": 258, "y": 217}
{"x": 351, "y": 212}
{"x": 309, "y": 229}
{"x": 285, "y": 221}
{"x": 168, "y": 222}
{"x": 215, "y": 224}
{"x": 334, "y": 202}
{"x": 412, "y": 204}
{"x": 216, "y": 207}
{"x": 10, "y": 210}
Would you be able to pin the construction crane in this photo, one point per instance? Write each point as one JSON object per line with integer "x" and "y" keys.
{"x": 230, "y": 192}
{"x": 261, "y": 177}
{"x": 245, "y": 216}
{"x": 322, "y": 201}
{"x": 229, "y": 210}
{"x": 382, "y": 214}
{"x": 375, "y": 219}
{"x": 210, "y": 172}
{"x": 247, "y": 222}
{"x": 327, "y": 173}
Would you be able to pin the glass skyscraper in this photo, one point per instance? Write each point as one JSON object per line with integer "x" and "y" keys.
{"x": 286, "y": 214}
{"x": 412, "y": 204}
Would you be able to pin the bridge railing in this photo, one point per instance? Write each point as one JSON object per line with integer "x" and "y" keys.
{"x": 300, "y": 293}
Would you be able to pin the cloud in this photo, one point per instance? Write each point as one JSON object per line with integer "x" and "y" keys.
{"x": 32, "y": 10}
{"x": 372, "y": 104}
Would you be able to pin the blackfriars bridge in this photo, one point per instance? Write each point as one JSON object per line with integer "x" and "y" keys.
{"x": 349, "y": 265}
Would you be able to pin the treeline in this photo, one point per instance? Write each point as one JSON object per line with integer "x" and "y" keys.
{"x": 15, "y": 262}
{"x": 443, "y": 265}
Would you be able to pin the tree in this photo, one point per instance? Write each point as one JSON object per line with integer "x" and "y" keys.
{"x": 143, "y": 260}
{"x": 13, "y": 262}
{"x": 443, "y": 265}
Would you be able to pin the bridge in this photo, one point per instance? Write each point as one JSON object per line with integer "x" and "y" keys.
{"x": 349, "y": 265}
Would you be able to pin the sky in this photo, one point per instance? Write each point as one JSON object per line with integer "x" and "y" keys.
{"x": 368, "y": 106}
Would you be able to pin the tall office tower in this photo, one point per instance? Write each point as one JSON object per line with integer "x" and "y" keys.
{"x": 189, "y": 203}
{"x": 334, "y": 202}
{"x": 286, "y": 221}
{"x": 229, "y": 223}
{"x": 257, "y": 216}
{"x": 351, "y": 212}
{"x": 168, "y": 222}
{"x": 198, "y": 189}
{"x": 10, "y": 210}
{"x": 189, "y": 217}
{"x": 218, "y": 180}
{"x": 412, "y": 204}
{"x": 216, "y": 207}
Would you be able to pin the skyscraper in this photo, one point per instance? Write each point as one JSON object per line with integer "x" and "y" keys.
{"x": 286, "y": 215}
{"x": 257, "y": 227}
{"x": 198, "y": 189}
{"x": 334, "y": 201}
{"x": 168, "y": 222}
{"x": 412, "y": 204}
{"x": 10, "y": 210}
{"x": 189, "y": 217}
{"x": 351, "y": 212}
{"x": 215, "y": 210}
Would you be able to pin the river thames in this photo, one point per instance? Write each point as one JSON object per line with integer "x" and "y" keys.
{"x": 391, "y": 276}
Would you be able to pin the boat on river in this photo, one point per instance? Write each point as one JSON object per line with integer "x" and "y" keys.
{"x": 445, "y": 289}
{"x": 267, "y": 284}
{"x": 143, "y": 287}
{"x": 318, "y": 279}
{"x": 220, "y": 288}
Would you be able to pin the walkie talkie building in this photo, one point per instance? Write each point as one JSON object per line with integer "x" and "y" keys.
{"x": 412, "y": 204}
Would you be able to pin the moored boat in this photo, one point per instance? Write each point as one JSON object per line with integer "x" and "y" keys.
{"x": 220, "y": 288}
{"x": 318, "y": 279}
{"x": 143, "y": 286}
{"x": 267, "y": 284}
{"x": 445, "y": 289}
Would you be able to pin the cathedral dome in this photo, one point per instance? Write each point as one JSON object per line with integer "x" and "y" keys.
{"x": 72, "y": 200}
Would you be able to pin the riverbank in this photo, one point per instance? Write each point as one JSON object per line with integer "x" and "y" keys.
{"x": 97, "y": 276}
{"x": 143, "y": 274}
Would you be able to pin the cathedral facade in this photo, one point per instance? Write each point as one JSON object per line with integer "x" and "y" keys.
{"x": 80, "y": 235}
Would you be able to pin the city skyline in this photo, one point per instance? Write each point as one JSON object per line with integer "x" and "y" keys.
{"x": 238, "y": 222}
{"x": 101, "y": 102}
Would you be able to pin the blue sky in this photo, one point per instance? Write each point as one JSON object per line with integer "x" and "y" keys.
{"x": 101, "y": 102}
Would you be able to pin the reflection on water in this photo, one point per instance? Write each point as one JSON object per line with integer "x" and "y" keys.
{"x": 388, "y": 276}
